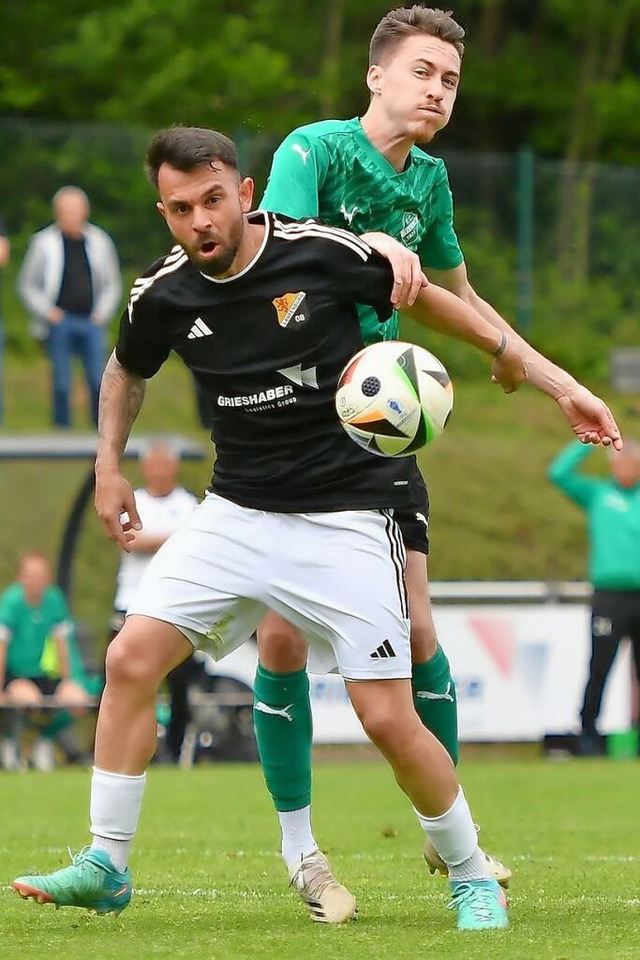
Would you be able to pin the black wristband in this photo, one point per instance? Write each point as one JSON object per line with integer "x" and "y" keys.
{"x": 502, "y": 347}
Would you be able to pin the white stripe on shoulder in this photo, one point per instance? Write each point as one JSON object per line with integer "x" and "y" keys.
{"x": 307, "y": 234}
{"x": 300, "y": 225}
{"x": 335, "y": 237}
{"x": 171, "y": 263}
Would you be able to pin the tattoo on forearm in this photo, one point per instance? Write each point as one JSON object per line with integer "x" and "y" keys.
{"x": 121, "y": 397}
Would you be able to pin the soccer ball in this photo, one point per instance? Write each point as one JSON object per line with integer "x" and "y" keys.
{"x": 393, "y": 398}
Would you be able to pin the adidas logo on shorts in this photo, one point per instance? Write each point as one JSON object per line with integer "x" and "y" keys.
{"x": 384, "y": 652}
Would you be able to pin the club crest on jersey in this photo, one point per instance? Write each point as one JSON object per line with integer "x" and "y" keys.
{"x": 290, "y": 308}
{"x": 409, "y": 231}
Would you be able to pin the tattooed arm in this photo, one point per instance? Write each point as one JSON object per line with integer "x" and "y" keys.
{"x": 121, "y": 397}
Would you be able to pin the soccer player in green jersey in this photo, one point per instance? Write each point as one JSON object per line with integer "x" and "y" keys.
{"x": 367, "y": 174}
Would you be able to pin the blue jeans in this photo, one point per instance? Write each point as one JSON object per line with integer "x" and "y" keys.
{"x": 1, "y": 370}
{"x": 75, "y": 335}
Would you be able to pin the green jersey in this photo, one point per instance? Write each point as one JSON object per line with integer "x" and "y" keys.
{"x": 25, "y": 628}
{"x": 613, "y": 517}
{"x": 331, "y": 170}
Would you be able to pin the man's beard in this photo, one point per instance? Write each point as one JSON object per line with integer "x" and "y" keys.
{"x": 219, "y": 264}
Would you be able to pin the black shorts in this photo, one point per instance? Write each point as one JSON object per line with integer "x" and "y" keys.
{"x": 46, "y": 685}
{"x": 414, "y": 522}
{"x": 414, "y": 528}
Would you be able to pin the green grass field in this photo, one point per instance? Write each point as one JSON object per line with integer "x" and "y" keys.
{"x": 210, "y": 883}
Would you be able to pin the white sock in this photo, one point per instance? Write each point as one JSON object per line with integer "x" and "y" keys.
{"x": 454, "y": 836}
{"x": 118, "y": 851}
{"x": 297, "y": 836}
{"x": 475, "y": 868}
{"x": 116, "y": 800}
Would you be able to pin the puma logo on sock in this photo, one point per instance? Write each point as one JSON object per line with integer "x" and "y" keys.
{"x": 428, "y": 695}
{"x": 265, "y": 708}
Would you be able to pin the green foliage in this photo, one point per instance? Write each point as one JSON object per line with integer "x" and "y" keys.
{"x": 576, "y": 323}
{"x": 530, "y": 69}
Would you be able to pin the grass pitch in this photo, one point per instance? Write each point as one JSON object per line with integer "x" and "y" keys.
{"x": 210, "y": 883}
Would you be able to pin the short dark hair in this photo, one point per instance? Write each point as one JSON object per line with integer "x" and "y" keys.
{"x": 403, "y": 22}
{"x": 185, "y": 148}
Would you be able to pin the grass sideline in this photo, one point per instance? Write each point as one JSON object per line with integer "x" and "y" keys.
{"x": 494, "y": 514}
{"x": 210, "y": 882}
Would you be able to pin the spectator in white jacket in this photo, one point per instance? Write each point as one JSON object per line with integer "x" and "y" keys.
{"x": 71, "y": 285}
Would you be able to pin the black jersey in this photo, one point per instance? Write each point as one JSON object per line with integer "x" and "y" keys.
{"x": 267, "y": 346}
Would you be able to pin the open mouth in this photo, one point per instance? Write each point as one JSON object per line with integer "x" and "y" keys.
{"x": 208, "y": 248}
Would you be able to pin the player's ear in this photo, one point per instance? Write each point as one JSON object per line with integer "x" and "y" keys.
{"x": 247, "y": 187}
{"x": 161, "y": 210}
{"x": 374, "y": 76}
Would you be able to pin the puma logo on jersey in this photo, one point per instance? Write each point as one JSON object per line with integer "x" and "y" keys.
{"x": 199, "y": 329}
{"x": 303, "y": 153}
{"x": 272, "y": 711}
{"x": 348, "y": 214}
{"x": 422, "y": 519}
{"x": 428, "y": 695}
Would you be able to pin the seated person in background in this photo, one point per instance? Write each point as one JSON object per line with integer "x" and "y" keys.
{"x": 62, "y": 729}
{"x": 34, "y": 655}
{"x": 163, "y": 506}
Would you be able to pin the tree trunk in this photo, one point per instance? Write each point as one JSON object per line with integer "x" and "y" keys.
{"x": 330, "y": 70}
{"x": 587, "y": 142}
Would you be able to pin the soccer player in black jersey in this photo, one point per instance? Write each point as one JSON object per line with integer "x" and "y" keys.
{"x": 297, "y": 519}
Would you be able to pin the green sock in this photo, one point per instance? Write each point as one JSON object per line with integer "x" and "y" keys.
{"x": 434, "y": 697}
{"x": 283, "y": 726}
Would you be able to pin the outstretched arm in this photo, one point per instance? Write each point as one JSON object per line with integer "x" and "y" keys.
{"x": 440, "y": 310}
{"x": 587, "y": 415}
{"x": 121, "y": 397}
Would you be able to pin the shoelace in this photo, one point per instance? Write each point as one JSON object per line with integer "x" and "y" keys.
{"x": 481, "y": 899}
{"x": 314, "y": 878}
{"x": 77, "y": 859}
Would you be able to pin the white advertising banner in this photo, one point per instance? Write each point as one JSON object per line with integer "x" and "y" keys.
{"x": 520, "y": 671}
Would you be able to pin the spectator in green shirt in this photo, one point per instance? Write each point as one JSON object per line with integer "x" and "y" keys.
{"x": 612, "y": 507}
{"x": 35, "y": 624}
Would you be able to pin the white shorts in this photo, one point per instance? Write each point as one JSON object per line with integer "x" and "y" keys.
{"x": 338, "y": 577}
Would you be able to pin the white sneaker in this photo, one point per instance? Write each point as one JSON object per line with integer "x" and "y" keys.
{"x": 327, "y": 900}
{"x": 498, "y": 870}
{"x": 10, "y": 754}
{"x": 43, "y": 755}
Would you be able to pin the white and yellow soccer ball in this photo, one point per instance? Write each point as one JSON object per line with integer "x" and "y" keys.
{"x": 393, "y": 398}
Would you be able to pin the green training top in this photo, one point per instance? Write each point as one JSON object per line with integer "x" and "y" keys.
{"x": 613, "y": 518}
{"x": 29, "y": 627}
{"x": 330, "y": 170}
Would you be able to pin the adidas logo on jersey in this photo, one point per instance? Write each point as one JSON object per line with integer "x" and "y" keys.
{"x": 199, "y": 329}
{"x": 384, "y": 652}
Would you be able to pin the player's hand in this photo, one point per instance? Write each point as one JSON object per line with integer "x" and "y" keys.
{"x": 510, "y": 369}
{"x": 408, "y": 278}
{"x": 114, "y": 497}
{"x": 590, "y": 418}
